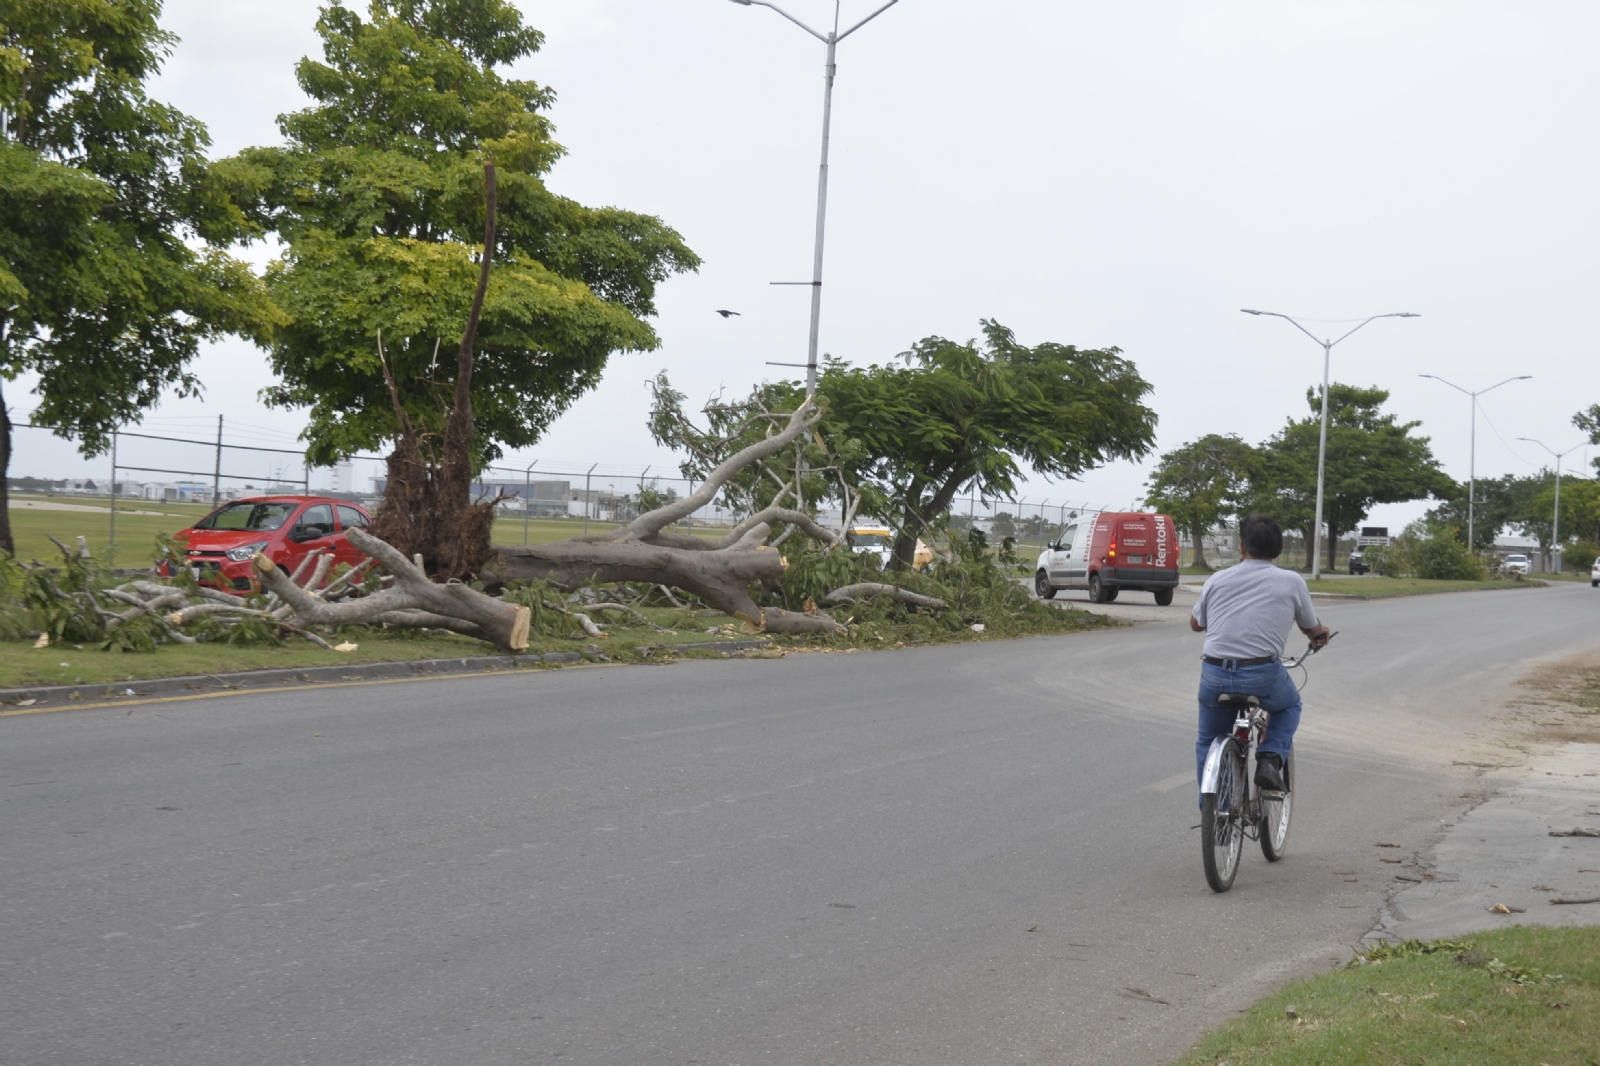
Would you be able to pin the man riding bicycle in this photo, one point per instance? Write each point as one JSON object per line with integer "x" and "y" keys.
{"x": 1245, "y": 612}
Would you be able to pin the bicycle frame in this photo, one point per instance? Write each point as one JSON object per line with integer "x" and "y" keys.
{"x": 1249, "y": 727}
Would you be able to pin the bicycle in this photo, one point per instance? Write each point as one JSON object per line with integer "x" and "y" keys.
{"x": 1233, "y": 808}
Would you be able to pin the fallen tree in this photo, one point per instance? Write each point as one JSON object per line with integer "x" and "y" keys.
{"x": 720, "y": 572}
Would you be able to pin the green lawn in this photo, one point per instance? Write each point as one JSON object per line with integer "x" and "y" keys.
{"x": 1492, "y": 999}
{"x": 136, "y": 533}
{"x": 22, "y": 665}
{"x": 1368, "y": 587}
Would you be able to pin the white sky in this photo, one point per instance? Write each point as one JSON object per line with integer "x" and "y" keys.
{"x": 1094, "y": 174}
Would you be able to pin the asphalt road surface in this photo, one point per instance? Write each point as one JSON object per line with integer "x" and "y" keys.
{"x": 967, "y": 855}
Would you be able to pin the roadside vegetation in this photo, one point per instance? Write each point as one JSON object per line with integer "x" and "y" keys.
{"x": 70, "y": 624}
{"x": 1512, "y": 996}
{"x": 1372, "y": 587}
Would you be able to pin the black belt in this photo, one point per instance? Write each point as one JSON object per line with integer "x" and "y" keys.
{"x": 1232, "y": 664}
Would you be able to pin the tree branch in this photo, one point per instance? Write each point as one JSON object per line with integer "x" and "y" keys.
{"x": 652, "y": 522}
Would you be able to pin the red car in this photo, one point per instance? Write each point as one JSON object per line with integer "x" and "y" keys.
{"x": 285, "y": 529}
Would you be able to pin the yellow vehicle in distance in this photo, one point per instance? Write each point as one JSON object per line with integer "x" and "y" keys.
{"x": 879, "y": 541}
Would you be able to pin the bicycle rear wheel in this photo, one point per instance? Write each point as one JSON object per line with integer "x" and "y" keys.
{"x": 1276, "y": 815}
{"x": 1222, "y": 821}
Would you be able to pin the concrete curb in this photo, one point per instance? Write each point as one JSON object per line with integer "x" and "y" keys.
{"x": 259, "y": 679}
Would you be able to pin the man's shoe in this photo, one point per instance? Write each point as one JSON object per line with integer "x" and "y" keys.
{"x": 1269, "y": 771}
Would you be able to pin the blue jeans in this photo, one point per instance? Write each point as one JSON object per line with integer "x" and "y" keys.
{"x": 1269, "y": 682}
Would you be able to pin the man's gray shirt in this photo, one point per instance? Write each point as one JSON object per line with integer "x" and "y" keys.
{"x": 1247, "y": 609}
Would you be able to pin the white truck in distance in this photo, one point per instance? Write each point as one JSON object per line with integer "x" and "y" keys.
{"x": 1371, "y": 537}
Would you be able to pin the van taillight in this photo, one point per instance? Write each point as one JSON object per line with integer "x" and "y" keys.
{"x": 1113, "y": 549}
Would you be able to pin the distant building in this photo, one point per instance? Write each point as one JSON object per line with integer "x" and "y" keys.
{"x": 535, "y": 497}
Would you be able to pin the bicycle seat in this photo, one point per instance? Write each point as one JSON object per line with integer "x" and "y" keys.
{"x": 1234, "y": 699}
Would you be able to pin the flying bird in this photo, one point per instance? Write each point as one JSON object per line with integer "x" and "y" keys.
{"x": 727, "y": 314}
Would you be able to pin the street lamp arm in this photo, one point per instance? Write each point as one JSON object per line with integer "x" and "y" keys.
{"x": 868, "y": 19}
{"x": 1292, "y": 322}
{"x": 1452, "y": 384}
{"x": 1551, "y": 450}
{"x": 1507, "y": 381}
{"x": 1391, "y": 314}
{"x": 765, "y": 3}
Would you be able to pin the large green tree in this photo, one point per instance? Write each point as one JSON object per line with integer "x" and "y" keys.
{"x": 378, "y": 195}
{"x": 971, "y": 415}
{"x": 1372, "y": 458}
{"x": 1588, "y": 420}
{"x": 106, "y": 204}
{"x": 1201, "y": 482}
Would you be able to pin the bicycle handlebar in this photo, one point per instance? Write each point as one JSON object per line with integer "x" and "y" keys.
{"x": 1311, "y": 649}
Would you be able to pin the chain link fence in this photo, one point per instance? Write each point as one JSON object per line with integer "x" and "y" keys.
{"x": 216, "y": 468}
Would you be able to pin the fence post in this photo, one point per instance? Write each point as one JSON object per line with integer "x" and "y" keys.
{"x": 111, "y": 546}
{"x": 527, "y": 499}
{"x": 216, "y": 476}
{"x": 588, "y": 499}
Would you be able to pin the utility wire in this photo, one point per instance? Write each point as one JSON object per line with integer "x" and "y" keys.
{"x": 1502, "y": 440}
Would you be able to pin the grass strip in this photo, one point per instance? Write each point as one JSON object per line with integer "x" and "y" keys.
{"x": 140, "y": 522}
{"x": 24, "y": 666}
{"x": 1524, "y": 995}
{"x": 1382, "y": 588}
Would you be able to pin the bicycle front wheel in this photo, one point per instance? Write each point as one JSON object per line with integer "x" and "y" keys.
{"x": 1222, "y": 821}
{"x": 1276, "y": 815}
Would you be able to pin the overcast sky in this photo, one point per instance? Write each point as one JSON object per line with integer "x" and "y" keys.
{"x": 1092, "y": 174}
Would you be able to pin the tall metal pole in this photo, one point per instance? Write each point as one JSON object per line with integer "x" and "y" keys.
{"x": 1472, "y": 455}
{"x": 829, "y": 70}
{"x": 1555, "y": 520}
{"x": 1322, "y": 449}
{"x": 1322, "y": 464}
{"x": 1472, "y": 476}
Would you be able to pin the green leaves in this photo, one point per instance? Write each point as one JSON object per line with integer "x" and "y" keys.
{"x": 1202, "y": 481}
{"x": 965, "y": 415}
{"x": 1372, "y": 458}
{"x": 379, "y": 196}
{"x": 102, "y": 192}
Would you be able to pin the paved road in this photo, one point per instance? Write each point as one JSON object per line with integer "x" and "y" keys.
{"x": 977, "y": 854}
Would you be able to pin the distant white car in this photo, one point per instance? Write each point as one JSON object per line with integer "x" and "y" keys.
{"x": 1517, "y": 563}
{"x": 1594, "y": 575}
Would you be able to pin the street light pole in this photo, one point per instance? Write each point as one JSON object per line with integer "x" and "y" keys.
{"x": 1472, "y": 456}
{"x": 830, "y": 68}
{"x": 1555, "y": 519}
{"x": 1322, "y": 446}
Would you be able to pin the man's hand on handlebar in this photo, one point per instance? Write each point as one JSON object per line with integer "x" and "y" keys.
{"x": 1319, "y": 636}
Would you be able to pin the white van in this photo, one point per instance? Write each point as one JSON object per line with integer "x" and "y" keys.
{"x": 1107, "y": 551}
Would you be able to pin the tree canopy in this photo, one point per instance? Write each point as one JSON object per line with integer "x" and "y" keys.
{"x": 378, "y": 196}
{"x": 970, "y": 415}
{"x": 1372, "y": 458}
{"x": 104, "y": 195}
{"x": 1200, "y": 482}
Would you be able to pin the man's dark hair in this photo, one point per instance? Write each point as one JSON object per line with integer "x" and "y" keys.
{"x": 1261, "y": 536}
